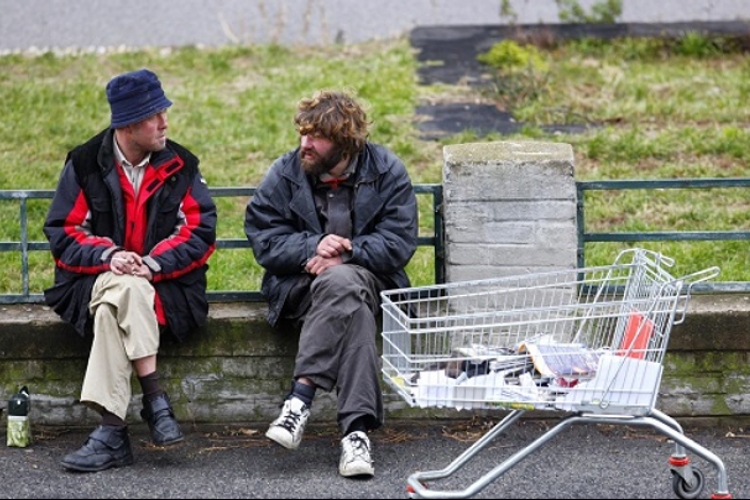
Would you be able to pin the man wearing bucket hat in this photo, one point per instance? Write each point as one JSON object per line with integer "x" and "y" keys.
{"x": 131, "y": 227}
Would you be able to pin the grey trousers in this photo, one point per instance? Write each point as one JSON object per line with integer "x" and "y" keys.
{"x": 338, "y": 342}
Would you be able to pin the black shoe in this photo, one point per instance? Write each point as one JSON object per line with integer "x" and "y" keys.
{"x": 106, "y": 447}
{"x": 160, "y": 418}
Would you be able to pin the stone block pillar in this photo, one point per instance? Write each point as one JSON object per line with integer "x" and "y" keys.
{"x": 510, "y": 208}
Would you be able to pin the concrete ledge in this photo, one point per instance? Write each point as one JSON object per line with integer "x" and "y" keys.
{"x": 237, "y": 368}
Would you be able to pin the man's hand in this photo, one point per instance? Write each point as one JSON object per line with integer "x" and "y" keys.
{"x": 333, "y": 245}
{"x": 143, "y": 271}
{"x": 318, "y": 264}
{"x": 124, "y": 262}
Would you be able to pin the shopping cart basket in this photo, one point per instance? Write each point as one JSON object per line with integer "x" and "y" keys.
{"x": 588, "y": 341}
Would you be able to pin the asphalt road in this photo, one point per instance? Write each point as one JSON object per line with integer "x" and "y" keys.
{"x": 585, "y": 461}
{"x": 84, "y": 24}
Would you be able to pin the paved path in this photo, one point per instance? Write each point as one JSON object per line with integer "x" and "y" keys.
{"x": 585, "y": 461}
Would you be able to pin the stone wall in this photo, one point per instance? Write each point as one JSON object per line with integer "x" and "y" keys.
{"x": 237, "y": 369}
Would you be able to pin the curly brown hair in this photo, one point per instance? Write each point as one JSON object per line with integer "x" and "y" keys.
{"x": 337, "y": 117}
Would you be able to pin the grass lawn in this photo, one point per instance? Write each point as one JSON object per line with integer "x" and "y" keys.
{"x": 659, "y": 114}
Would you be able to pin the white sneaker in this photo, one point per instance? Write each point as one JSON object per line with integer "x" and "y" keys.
{"x": 288, "y": 428}
{"x": 355, "y": 456}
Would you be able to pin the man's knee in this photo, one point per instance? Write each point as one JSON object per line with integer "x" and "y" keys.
{"x": 104, "y": 312}
{"x": 139, "y": 286}
{"x": 109, "y": 286}
{"x": 338, "y": 280}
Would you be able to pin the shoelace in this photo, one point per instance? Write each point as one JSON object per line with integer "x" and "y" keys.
{"x": 291, "y": 421}
{"x": 359, "y": 446}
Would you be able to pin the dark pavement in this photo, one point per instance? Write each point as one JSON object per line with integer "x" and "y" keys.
{"x": 584, "y": 461}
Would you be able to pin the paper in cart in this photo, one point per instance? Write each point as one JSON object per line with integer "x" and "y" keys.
{"x": 558, "y": 359}
{"x": 621, "y": 382}
{"x": 434, "y": 389}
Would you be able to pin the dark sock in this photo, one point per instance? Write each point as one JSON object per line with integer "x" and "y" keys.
{"x": 304, "y": 392}
{"x": 151, "y": 386}
{"x": 358, "y": 425}
{"x": 109, "y": 418}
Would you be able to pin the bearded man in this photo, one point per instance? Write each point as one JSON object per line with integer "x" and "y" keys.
{"x": 333, "y": 223}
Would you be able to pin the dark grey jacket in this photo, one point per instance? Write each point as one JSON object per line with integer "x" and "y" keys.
{"x": 283, "y": 227}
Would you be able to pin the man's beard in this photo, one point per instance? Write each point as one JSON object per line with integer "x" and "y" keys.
{"x": 321, "y": 164}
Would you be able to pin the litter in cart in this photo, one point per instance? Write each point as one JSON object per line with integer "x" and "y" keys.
{"x": 588, "y": 341}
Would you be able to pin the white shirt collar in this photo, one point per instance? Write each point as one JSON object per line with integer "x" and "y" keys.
{"x": 124, "y": 161}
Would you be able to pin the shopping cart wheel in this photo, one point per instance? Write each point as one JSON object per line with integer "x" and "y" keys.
{"x": 683, "y": 490}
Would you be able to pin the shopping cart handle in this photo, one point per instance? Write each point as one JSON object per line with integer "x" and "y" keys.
{"x": 656, "y": 258}
{"x": 688, "y": 281}
{"x": 701, "y": 276}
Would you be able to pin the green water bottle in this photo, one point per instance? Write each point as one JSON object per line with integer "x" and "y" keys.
{"x": 19, "y": 427}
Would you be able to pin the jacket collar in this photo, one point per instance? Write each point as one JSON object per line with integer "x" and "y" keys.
{"x": 106, "y": 154}
{"x": 367, "y": 200}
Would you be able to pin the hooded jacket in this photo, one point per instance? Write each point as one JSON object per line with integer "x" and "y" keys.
{"x": 88, "y": 220}
{"x": 284, "y": 229}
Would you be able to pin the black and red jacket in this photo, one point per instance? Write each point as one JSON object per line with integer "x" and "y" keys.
{"x": 172, "y": 224}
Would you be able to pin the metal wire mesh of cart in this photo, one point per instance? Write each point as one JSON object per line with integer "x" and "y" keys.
{"x": 590, "y": 339}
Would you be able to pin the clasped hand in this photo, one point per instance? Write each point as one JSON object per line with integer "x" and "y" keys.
{"x": 125, "y": 262}
{"x": 328, "y": 253}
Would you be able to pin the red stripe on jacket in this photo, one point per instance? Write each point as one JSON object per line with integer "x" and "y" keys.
{"x": 74, "y": 222}
{"x": 191, "y": 210}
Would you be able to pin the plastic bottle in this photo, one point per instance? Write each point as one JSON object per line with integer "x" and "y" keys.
{"x": 19, "y": 426}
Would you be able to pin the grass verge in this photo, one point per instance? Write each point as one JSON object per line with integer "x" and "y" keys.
{"x": 657, "y": 114}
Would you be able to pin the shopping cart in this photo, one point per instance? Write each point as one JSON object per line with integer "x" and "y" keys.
{"x": 587, "y": 341}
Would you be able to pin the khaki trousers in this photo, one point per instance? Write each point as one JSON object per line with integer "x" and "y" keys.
{"x": 125, "y": 329}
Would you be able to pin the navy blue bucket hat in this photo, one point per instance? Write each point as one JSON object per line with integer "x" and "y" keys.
{"x": 135, "y": 96}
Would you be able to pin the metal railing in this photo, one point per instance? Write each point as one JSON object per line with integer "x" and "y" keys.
{"x": 24, "y": 246}
{"x": 435, "y": 240}
{"x": 637, "y": 236}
